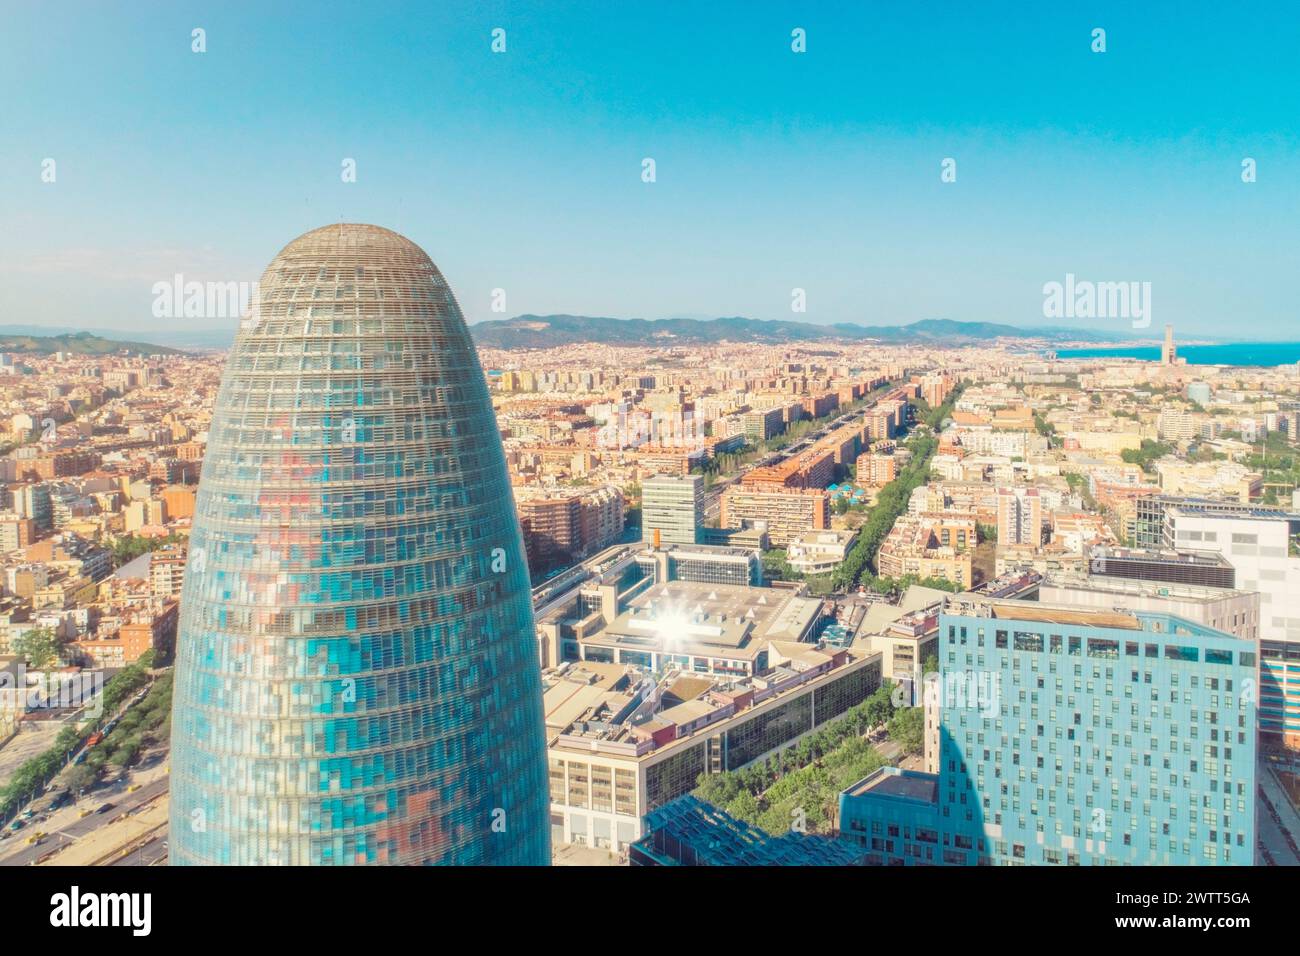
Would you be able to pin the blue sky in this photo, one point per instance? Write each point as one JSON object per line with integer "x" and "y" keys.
{"x": 775, "y": 170}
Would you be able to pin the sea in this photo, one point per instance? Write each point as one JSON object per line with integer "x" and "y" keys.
{"x": 1230, "y": 353}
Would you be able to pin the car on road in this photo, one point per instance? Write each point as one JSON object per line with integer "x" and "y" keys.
{"x": 104, "y": 808}
{"x": 51, "y": 801}
{"x": 16, "y": 825}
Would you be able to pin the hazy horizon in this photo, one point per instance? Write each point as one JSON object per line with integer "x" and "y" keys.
{"x": 213, "y": 336}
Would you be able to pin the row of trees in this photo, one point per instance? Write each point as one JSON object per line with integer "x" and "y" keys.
{"x": 859, "y": 564}
{"x": 907, "y": 729}
{"x": 728, "y": 463}
{"x": 1275, "y": 458}
{"x": 1079, "y": 484}
{"x": 130, "y": 547}
{"x": 899, "y": 585}
{"x": 144, "y": 725}
{"x": 32, "y": 775}
{"x": 1147, "y": 454}
{"x": 806, "y": 777}
{"x": 933, "y": 417}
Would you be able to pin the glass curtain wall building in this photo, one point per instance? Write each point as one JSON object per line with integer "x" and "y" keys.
{"x": 1074, "y": 737}
{"x": 671, "y": 506}
{"x": 357, "y": 677}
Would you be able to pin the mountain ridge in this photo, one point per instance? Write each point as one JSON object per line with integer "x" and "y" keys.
{"x": 77, "y": 343}
{"x": 548, "y": 331}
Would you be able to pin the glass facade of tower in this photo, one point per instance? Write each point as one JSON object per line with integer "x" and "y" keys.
{"x": 1076, "y": 738}
{"x": 357, "y": 678}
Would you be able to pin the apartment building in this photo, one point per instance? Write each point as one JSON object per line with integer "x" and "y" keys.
{"x": 1020, "y": 516}
{"x": 784, "y": 513}
{"x": 915, "y": 546}
{"x": 876, "y": 470}
{"x": 819, "y": 552}
{"x": 564, "y": 524}
{"x": 762, "y": 424}
{"x": 1214, "y": 479}
{"x": 813, "y": 469}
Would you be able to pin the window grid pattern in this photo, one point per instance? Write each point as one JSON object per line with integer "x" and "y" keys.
{"x": 357, "y": 679}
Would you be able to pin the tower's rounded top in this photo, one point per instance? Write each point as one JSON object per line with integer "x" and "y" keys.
{"x": 350, "y": 270}
{"x": 351, "y": 239}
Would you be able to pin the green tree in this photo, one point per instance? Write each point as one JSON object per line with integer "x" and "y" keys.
{"x": 40, "y": 646}
{"x": 907, "y": 729}
{"x": 1146, "y": 455}
{"x": 744, "y": 806}
{"x": 820, "y": 585}
{"x": 125, "y": 751}
{"x": 931, "y": 664}
{"x": 81, "y": 777}
{"x": 859, "y": 564}
{"x": 776, "y": 567}
{"x": 880, "y": 705}
{"x": 130, "y": 547}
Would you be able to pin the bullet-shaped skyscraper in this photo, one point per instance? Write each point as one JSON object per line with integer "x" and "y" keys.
{"x": 357, "y": 678}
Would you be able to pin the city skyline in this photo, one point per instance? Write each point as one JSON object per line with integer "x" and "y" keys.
{"x": 534, "y": 434}
{"x": 775, "y": 170}
{"x": 757, "y": 634}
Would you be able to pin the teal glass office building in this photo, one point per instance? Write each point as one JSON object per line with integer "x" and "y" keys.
{"x": 357, "y": 678}
{"x": 1111, "y": 738}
